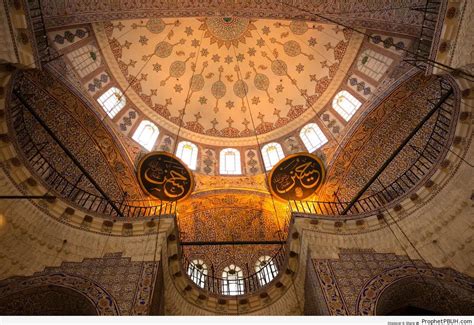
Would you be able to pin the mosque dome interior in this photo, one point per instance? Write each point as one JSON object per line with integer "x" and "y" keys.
{"x": 237, "y": 158}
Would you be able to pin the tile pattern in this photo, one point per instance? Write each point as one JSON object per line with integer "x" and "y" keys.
{"x": 117, "y": 285}
{"x": 353, "y": 283}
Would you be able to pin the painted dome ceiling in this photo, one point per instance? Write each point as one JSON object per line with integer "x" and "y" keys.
{"x": 225, "y": 76}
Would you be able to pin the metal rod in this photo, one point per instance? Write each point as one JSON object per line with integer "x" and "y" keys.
{"x": 397, "y": 151}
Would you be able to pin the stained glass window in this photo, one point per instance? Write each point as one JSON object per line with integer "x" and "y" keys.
{"x": 373, "y": 64}
{"x": 266, "y": 269}
{"x": 233, "y": 280}
{"x": 197, "y": 271}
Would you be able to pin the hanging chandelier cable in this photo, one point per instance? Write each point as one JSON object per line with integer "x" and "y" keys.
{"x": 181, "y": 120}
{"x": 374, "y": 97}
{"x": 189, "y": 93}
{"x": 280, "y": 230}
{"x": 239, "y": 76}
{"x": 134, "y": 78}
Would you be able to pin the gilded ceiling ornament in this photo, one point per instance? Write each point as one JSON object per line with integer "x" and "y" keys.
{"x": 228, "y": 31}
{"x": 261, "y": 82}
{"x": 292, "y": 48}
{"x": 217, "y": 77}
{"x": 279, "y": 68}
{"x": 154, "y": 25}
{"x": 297, "y": 27}
{"x": 164, "y": 49}
{"x": 241, "y": 90}
{"x": 197, "y": 82}
{"x": 177, "y": 69}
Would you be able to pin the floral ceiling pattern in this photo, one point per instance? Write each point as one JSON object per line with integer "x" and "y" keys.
{"x": 225, "y": 76}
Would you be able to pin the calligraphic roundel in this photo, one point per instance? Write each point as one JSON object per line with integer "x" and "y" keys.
{"x": 164, "y": 176}
{"x": 296, "y": 177}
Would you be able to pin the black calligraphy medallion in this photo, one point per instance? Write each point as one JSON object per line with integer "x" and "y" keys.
{"x": 296, "y": 177}
{"x": 165, "y": 177}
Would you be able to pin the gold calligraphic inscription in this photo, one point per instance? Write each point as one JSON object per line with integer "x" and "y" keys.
{"x": 165, "y": 177}
{"x": 296, "y": 177}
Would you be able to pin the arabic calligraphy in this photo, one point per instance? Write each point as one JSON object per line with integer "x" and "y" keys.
{"x": 165, "y": 177}
{"x": 296, "y": 177}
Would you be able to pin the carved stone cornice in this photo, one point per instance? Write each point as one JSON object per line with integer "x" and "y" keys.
{"x": 377, "y": 15}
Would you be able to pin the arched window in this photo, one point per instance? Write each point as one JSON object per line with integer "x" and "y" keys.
{"x": 233, "y": 281}
{"x": 345, "y": 104}
{"x": 230, "y": 162}
{"x": 373, "y": 64}
{"x": 146, "y": 134}
{"x": 266, "y": 270}
{"x": 272, "y": 153}
{"x": 312, "y": 137}
{"x": 85, "y": 60}
{"x": 197, "y": 271}
{"x": 112, "y": 101}
{"x": 188, "y": 153}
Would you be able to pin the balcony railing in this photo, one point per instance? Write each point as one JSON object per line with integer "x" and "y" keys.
{"x": 427, "y": 44}
{"x": 42, "y": 50}
{"x": 234, "y": 285}
{"x": 426, "y": 159}
{"x": 73, "y": 191}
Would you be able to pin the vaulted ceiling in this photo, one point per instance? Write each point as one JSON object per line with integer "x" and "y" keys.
{"x": 225, "y": 77}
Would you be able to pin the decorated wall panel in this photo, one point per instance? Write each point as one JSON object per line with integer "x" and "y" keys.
{"x": 114, "y": 285}
{"x": 231, "y": 217}
{"x": 369, "y": 146}
{"x": 76, "y": 125}
{"x": 67, "y": 37}
{"x": 361, "y": 14}
{"x": 354, "y": 283}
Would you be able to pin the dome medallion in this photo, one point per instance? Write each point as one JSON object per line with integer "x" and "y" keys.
{"x": 228, "y": 31}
